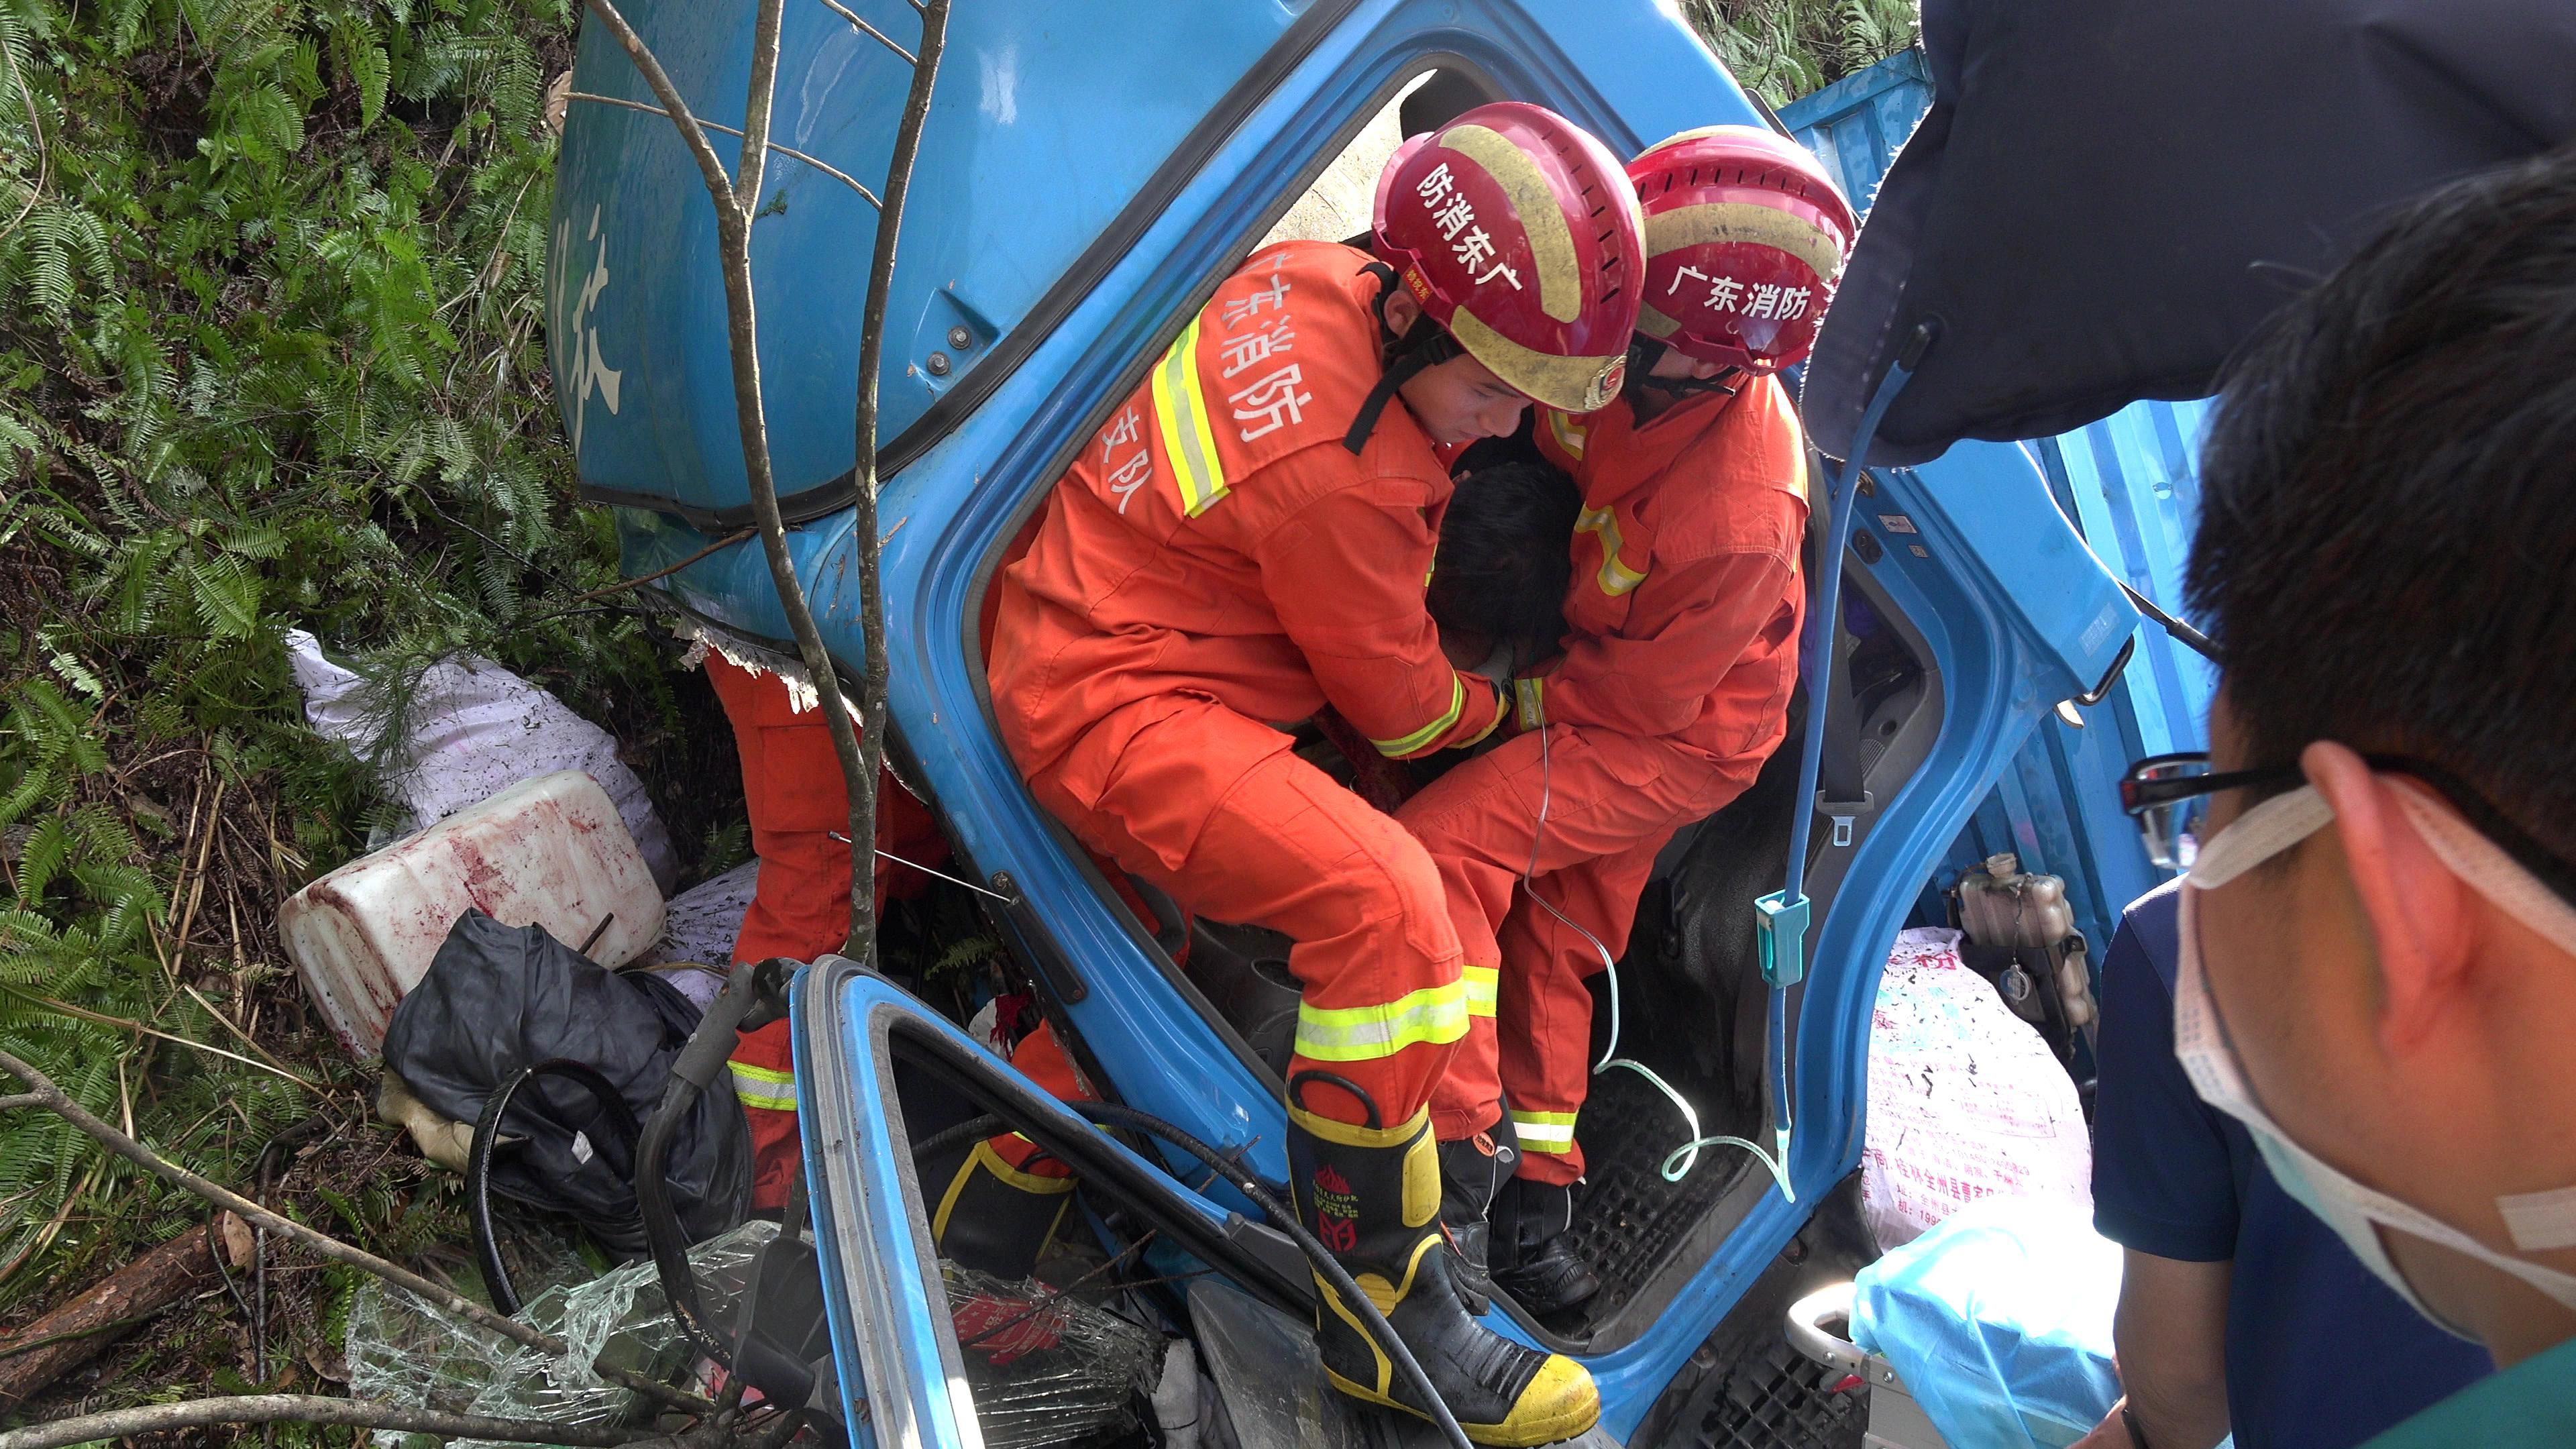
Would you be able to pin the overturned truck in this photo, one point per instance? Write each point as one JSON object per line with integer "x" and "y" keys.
{"x": 1088, "y": 176}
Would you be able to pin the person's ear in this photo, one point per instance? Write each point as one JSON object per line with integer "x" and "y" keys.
{"x": 2419, "y": 912}
{"x": 1401, "y": 311}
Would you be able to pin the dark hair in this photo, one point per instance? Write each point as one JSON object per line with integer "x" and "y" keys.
{"x": 2387, "y": 545}
{"x": 1505, "y": 555}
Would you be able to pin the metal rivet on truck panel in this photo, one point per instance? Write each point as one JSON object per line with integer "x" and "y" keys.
{"x": 938, "y": 364}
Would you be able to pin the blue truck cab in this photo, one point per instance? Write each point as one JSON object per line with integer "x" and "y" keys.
{"x": 1089, "y": 172}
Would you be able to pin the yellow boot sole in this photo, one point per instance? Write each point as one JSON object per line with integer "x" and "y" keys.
{"x": 1572, "y": 1405}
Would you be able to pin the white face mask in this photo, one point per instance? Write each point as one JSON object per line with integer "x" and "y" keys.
{"x": 2538, "y": 1222}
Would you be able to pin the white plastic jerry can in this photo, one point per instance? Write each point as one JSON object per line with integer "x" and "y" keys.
{"x": 549, "y": 851}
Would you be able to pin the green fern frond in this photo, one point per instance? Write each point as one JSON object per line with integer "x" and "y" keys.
{"x": 74, "y": 673}
{"x": 33, "y": 786}
{"x": 48, "y": 849}
{"x": 227, "y": 596}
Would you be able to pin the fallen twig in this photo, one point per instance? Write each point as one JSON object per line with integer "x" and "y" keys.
{"x": 126, "y": 1024}
{"x": 43, "y": 1093}
{"x": 44, "y": 1237}
{"x": 309, "y": 1409}
{"x": 245, "y": 1037}
{"x": 197, "y": 888}
{"x": 79, "y": 1330}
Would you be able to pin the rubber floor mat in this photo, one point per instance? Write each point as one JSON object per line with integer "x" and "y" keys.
{"x": 1776, "y": 1398}
{"x": 1627, "y": 1219}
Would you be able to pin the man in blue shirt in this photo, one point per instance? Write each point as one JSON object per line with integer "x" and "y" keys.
{"x": 2377, "y": 939}
{"x": 2238, "y": 1309}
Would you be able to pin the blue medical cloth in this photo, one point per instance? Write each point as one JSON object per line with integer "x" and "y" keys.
{"x": 1998, "y": 1321}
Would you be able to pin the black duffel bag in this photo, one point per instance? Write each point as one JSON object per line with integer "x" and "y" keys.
{"x": 501, "y": 999}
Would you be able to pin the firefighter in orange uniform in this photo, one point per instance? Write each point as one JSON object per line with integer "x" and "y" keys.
{"x": 1680, "y": 657}
{"x": 1244, "y": 541}
{"x": 800, "y": 909}
{"x": 1005, "y": 1200}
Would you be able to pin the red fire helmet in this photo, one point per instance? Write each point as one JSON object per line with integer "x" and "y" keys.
{"x": 1513, "y": 228}
{"x": 1745, "y": 238}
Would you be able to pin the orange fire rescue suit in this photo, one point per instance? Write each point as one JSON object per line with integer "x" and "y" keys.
{"x": 1681, "y": 652}
{"x": 1215, "y": 566}
{"x": 791, "y": 783}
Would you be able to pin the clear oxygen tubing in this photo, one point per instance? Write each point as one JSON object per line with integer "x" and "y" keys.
{"x": 1682, "y": 1159}
{"x": 1818, "y": 657}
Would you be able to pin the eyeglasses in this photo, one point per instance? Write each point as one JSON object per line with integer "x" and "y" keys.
{"x": 2168, "y": 795}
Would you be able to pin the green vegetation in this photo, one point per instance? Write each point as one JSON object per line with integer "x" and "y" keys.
{"x": 271, "y": 355}
{"x": 1782, "y": 49}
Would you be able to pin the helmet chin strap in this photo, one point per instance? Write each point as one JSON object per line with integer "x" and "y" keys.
{"x": 1644, "y": 352}
{"x": 1425, "y": 344}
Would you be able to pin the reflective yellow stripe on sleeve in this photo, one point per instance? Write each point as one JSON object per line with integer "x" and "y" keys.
{"x": 1181, "y": 411}
{"x": 1551, "y": 1132}
{"x": 1481, "y": 983}
{"x": 1502, "y": 707}
{"x": 764, "y": 1087}
{"x": 1614, "y": 577}
{"x": 1399, "y": 748}
{"x": 1435, "y": 1014}
{"x": 1570, "y": 435}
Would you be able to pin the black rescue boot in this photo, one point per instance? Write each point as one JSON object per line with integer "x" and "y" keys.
{"x": 1471, "y": 1168}
{"x": 1533, "y": 1253}
{"x": 1372, "y": 1195}
{"x": 996, "y": 1217}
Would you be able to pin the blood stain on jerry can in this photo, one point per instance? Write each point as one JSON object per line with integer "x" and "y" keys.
{"x": 549, "y": 851}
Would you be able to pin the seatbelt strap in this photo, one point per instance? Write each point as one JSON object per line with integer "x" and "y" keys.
{"x": 1780, "y": 919}
{"x": 1840, "y": 796}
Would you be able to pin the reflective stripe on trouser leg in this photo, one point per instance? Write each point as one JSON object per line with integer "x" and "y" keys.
{"x": 764, "y": 1087}
{"x": 1550, "y": 1132}
{"x": 1468, "y": 1098}
{"x": 1435, "y": 1015}
{"x": 764, "y": 1081}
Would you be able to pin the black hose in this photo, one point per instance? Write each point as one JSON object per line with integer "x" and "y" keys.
{"x": 487, "y": 1136}
{"x": 1326, "y": 1266}
{"x": 970, "y": 1130}
{"x": 1260, "y": 1195}
{"x": 753, "y": 996}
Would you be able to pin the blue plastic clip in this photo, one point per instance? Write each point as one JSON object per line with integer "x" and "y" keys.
{"x": 1780, "y": 925}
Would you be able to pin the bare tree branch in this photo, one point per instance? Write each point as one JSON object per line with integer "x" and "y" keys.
{"x": 709, "y": 167}
{"x": 52, "y": 1098}
{"x": 308, "y": 1409}
{"x": 757, "y": 108}
{"x": 852, "y": 16}
{"x": 860, "y": 750}
{"x": 666, "y": 570}
{"x": 872, "y": 684}
{"x": 826, "y": 167}
{"x": 733, "y": 238}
